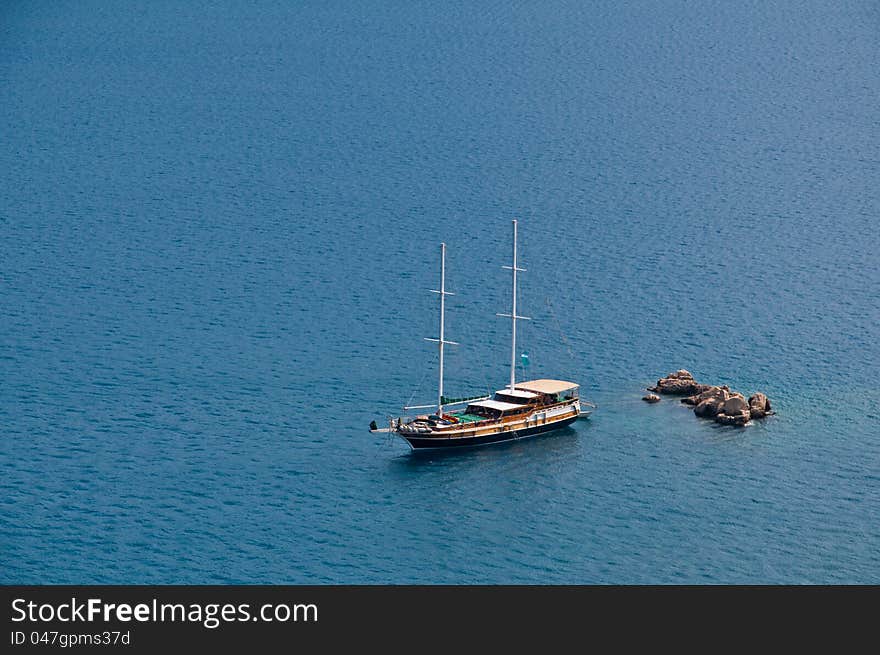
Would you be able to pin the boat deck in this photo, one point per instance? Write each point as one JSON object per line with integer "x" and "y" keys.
{"x": 464, "y": 417}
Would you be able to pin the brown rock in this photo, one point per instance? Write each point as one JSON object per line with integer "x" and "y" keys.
{"x": 734, "y": 411}
{"x": 760, "y": 401}
{"x": 651, "y": 398}
{"x": 759, "y": 405}
{"x": 721, "y": 393}
{"x": 736, "y": 404}
{"x": 678, "y": 387}
{"x": 708, "y": 408}
{"x": 739, "y": 418}
{"x": 679, "y": 383}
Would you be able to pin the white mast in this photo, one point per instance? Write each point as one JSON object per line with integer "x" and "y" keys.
{"x": 512, "y": 315}
{"x": 441, "y": 341}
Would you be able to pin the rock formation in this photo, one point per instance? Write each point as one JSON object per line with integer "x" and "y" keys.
{"x": 716, "y": 402}
{"x": 680, "y": 383}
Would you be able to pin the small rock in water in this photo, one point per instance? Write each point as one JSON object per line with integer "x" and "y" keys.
{"x": 759, "y": 405}
{"x": 680, "y": 383}
{"x": 738, "y": 419}
{"x": 733, "y": 411}
{"x": 651, "y": 398}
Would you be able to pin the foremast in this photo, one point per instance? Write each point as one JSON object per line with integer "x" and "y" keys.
{"x": 441, "y": 341}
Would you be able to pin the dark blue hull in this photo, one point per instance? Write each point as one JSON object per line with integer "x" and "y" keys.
{"x": 428, "y": 443}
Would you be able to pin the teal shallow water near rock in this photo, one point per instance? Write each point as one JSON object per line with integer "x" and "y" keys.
{"x": 219, "y": 222}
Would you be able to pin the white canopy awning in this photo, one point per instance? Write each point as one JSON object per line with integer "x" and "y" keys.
{"x": 517, "y": 393}
{"x": 547, "y": 386}
{"x": 496, "y": 404}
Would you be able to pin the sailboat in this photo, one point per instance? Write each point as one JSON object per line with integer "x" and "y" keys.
{"x": 520, "y": 410}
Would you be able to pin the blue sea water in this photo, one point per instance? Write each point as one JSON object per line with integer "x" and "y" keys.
{"x": 219, "y": 222}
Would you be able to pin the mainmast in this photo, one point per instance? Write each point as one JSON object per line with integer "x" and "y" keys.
{"x": 441, "y": 341}
{"x": 512, "y": 315}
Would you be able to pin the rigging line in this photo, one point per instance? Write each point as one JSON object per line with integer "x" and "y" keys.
{"x": 559, "y": 327}
{"x": 422, "y": 381}
{"x": 474, "y": 345}
{"x": 480, "y": 347}
{"x": 483, "y": 368}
